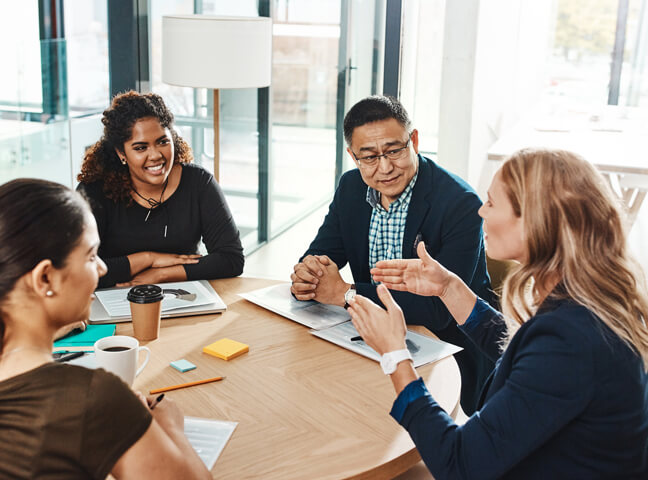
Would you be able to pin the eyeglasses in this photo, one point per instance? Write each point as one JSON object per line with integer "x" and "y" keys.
{"x": 393, "y": 155}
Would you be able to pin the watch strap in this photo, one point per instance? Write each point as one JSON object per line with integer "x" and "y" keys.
{"x": 390, "y": 360}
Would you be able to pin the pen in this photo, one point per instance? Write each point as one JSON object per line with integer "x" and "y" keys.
{"x": 156, "y": 401}
{"x": 356, "y": 339}
{"x": 183, "y": 385}
{"x": 68, "y": 356}
{"x": 76, "y": 349}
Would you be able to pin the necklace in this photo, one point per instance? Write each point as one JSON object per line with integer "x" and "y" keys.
{"x": 153, "y": 203}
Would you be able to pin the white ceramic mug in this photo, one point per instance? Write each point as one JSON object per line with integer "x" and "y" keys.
{"x": 119, "y": 354}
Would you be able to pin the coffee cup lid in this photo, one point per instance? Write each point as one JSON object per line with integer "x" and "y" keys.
{"x": 145, "y": 294}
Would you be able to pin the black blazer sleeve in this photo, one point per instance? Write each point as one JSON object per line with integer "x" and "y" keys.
{"x": 459, "y": 250}
{"x": 329, "y": 239}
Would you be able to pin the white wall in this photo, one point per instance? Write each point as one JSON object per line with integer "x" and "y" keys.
{"x": 493, "y": 72}
{"x": 457, "y": 84}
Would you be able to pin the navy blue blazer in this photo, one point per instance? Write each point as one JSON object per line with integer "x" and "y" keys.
{"x": 443, "y": 214}
{"x": 567, "y": 399}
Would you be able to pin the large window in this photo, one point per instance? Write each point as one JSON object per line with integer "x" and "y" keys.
{"x": 325, "y": 53}
{"x": 304, "y": 93}
{"x": 54, "y": 82}
{"x": 598, "y": 54}
{"x": 193, "y": 109}
{"x": 302, "y": 111}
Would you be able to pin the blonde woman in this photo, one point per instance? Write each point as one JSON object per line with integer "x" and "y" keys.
{"x": 569, "y": 394}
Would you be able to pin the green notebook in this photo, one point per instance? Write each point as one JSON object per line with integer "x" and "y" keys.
{"x": 87, "y": 338}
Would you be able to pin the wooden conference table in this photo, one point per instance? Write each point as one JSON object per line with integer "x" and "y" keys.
{"x": 305, "y": 408}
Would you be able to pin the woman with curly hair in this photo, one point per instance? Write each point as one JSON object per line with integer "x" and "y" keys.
{"x": 151, "y": 204}
{"x": 569, "y": 394}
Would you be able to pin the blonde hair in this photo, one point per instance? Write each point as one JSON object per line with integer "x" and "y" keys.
{"x": 575, "y": 234}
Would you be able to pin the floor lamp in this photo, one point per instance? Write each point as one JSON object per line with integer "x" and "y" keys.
{"x": 205, "y": 51}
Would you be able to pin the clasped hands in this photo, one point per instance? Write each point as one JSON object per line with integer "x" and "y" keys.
{"x": 317, "y": 277}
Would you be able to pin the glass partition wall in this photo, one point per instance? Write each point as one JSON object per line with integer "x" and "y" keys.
{"x": 282, "y": 150}
{"x": 193, "y": 109}
{"x": 54, "y": 82}
{"x": 279, "y": 146}
{"x": 304, "y": 95}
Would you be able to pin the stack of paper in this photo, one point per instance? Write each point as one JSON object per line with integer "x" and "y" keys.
{"x": 333, "y": 324}
{"x": 181, "y": 299}
{"x": 423, "y": 349}
{"x": 208, "y": 437}
{"x": 278, "y": 299}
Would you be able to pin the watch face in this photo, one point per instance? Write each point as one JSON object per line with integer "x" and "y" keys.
{"x": 388, "y": 365}
{"x": 349, "y": 295}
{"x": 390, "y": 360}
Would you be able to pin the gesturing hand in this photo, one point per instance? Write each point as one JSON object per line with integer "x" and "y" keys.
{"x": 425, "y": 276}
{"x": 382, "y": 330}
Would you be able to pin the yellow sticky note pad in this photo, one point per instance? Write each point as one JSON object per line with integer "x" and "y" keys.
{"x": 226, "y": 349}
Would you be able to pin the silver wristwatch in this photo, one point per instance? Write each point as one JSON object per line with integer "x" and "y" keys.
{"x": 349, "y": 294}
{"x": 390, "y": 360}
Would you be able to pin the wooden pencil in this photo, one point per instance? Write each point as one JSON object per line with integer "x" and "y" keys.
{"x": 184, "y": 385}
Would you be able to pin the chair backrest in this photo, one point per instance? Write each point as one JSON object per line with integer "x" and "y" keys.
{"x": 497, "y": 269}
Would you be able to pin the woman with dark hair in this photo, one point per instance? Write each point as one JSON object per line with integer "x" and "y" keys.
{"x": 569, "y": 394}
{"x": 152, "y": 206}
{"x": 57, "y": 420}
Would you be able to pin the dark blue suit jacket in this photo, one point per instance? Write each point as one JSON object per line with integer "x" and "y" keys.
{"x": 568, "y": 399}
{"x": 443, "y": 214}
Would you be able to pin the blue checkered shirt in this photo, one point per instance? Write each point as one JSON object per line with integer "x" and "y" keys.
{"x": 387, "y": 227}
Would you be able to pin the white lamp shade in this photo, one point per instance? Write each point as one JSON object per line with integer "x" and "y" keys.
{"x": 216, "y": 52}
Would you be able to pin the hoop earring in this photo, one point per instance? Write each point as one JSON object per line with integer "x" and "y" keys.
{"x": 49, "y": 293}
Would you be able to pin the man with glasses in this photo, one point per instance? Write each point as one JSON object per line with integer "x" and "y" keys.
{"x": 395, "y": 199}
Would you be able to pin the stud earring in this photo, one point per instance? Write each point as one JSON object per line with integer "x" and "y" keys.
{"x": 49, "y": 293}
{"x": 123, "y": 161}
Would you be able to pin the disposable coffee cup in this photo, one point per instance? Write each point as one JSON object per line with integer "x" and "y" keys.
{"x": 119, "y": 354}
{"x": 146, "y": 306}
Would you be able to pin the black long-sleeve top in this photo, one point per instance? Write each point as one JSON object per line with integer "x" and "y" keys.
{"x": 196, "y": 210}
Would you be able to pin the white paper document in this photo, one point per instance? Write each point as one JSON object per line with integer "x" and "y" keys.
{"x": 278, "y": 299}
{"x": 87, "y": 360}
{"x": 423, "y": 349}
{"x": 176, "y": 295}
{"x": 208, "y": 437}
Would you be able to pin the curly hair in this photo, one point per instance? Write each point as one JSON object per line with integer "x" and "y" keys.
{"x": 101, "y": 161}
